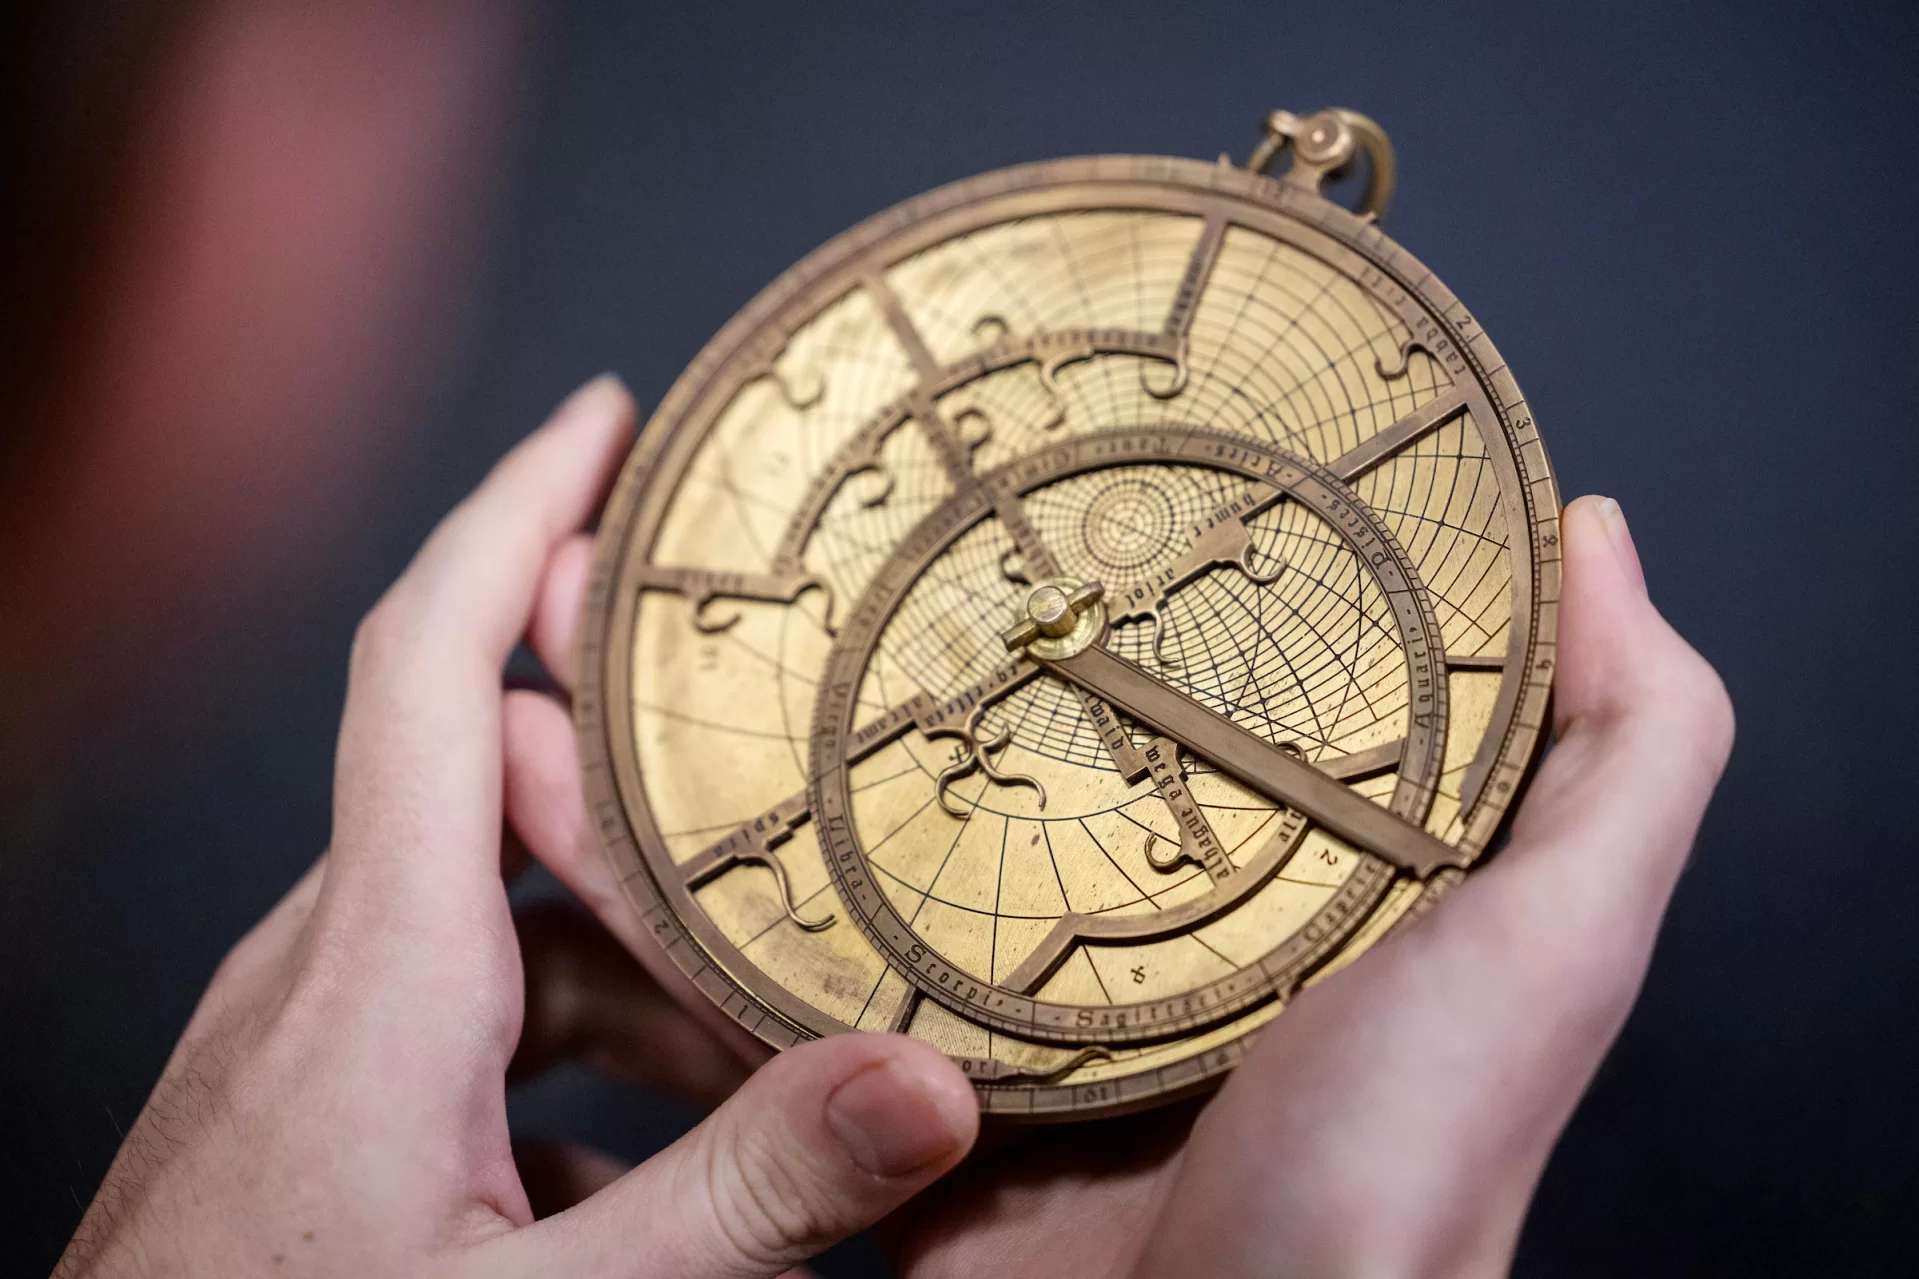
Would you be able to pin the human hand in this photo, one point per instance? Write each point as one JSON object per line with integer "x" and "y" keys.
{"x": 336, "y": 1103}
{"x": 1396, "y": 1118}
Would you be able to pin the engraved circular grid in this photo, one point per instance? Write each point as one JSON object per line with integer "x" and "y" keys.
{"x": 850, "y": 858}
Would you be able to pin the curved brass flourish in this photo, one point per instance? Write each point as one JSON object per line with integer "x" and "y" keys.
{"x": 772, "y": 862}
{"x": 993, "y": 1071}
{"x": 1182, "y": 371}
{"x": 700, "y": 587}
{"x": 1222, "y": 540}
{"x": 976, "y": 756}
{"x": 1050, "y": 366}
{"x": 754, "y": 842}
{"x": 1242, "y": 561}
{"x": 1406, "y": 350}
{"x": 1164, "y": 865}
{"x": 800, "y": 392}
{"x": 784, "y": 591}
{"x": 883, "y": 490}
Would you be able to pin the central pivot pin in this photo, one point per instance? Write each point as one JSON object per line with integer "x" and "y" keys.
{"x": 1062, "y": 618}
{"x": 1052, "y": 611}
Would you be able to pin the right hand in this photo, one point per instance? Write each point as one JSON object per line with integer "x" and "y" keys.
{"x": 1396, "y": 1118}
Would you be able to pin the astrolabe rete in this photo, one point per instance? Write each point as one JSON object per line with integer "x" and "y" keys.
{"x": 1068, "y": 613}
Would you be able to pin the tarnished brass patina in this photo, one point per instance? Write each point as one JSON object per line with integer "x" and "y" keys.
{"x": 1067, "y": 614}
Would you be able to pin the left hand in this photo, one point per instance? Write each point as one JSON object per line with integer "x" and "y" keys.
{"x": 337, "y": 1103}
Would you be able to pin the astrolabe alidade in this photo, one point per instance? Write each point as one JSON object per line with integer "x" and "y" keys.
{"x": 1067, "y": 614}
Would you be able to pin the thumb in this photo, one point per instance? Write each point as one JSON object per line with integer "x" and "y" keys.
{"x": 1425, "y": 1085}
{"x": 821, "y": 1142}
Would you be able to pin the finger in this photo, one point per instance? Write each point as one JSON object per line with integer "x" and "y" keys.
{"x": 590, "y": 1001}
{"x": 545, "y": 804}
{"x": 557, "y": 1175}
{"x": 824, "y": 1141}
{"x": 556, "y": 613}
{"x": 1424, "y": 1086}
{"x": 1644, "y": 728}
{"x": 419, "y": 756}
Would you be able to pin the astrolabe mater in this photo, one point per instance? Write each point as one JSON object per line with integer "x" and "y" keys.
{"x": 1067, "y": 614}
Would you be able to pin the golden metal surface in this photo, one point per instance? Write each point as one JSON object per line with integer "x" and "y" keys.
{"x": 1139, "y": 584}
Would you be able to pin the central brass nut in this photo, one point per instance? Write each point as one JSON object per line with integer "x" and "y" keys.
{"x": 1063, "y": 617}
{"x": 1052, "y": 611}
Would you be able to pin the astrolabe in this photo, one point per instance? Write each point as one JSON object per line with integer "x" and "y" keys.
{"x": 1069, "y": 613}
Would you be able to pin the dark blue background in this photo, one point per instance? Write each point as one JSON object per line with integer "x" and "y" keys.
{"x": 1689, "y": 229}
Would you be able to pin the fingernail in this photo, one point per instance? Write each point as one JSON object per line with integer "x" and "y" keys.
{"x": 892, "y": 1120}
{"x": 598, "y": 394}
{"x": 1613, "y": 520}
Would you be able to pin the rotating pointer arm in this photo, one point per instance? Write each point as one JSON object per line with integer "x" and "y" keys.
{"x": 1251, "y": 759}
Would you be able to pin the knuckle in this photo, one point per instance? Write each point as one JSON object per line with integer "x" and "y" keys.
{"x": 375, "y": 638}
{"x": 1698, "y": 696}
{"x": 391, "y": 635}
{"x": 244, "y": 959}
{"x": 767, "y": 1208}
{"x": 1717, "y": 711}
{"x": 1609, "y": 972}
{"x": 1717, "y": 723}
{"x": 405, "y": 613}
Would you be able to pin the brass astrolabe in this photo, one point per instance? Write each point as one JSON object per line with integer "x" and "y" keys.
{"x": 1067, "y": 614}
